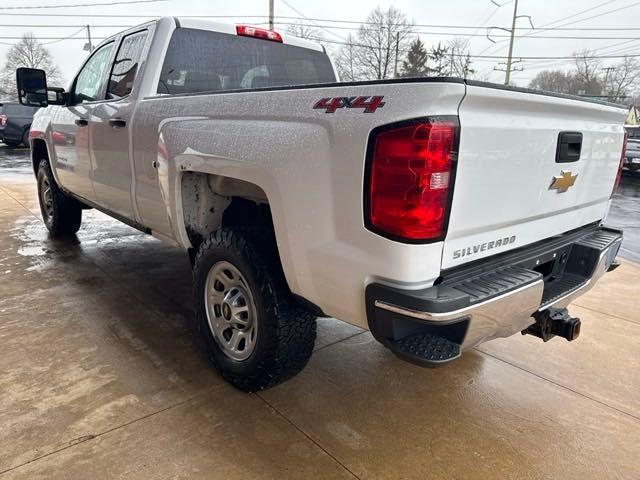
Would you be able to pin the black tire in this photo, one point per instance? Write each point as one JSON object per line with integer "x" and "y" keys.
{"x": 62, "y": 214}
{"x": 11, "y": 144}
{"x": 286, "y": 332}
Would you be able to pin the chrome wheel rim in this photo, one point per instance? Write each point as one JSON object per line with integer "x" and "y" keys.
{"x": 231, "y": 311}
{"x": 46, "y": 199}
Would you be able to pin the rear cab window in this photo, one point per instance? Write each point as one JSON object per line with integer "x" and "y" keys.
{"x": 206, "y": 61}
{"x": 126, "y": 65}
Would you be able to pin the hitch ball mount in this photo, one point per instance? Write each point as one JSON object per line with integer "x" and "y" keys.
{"x": 554, "y": 321}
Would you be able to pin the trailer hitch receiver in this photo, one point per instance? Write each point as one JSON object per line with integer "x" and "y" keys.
{"x": 554, "y": 321}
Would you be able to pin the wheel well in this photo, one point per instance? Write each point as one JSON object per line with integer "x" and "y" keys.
{"x": 212, "y": 201}
{"x": 38, "y": 152}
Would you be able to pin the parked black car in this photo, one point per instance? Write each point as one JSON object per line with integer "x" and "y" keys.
{"x": 15, "y": 122}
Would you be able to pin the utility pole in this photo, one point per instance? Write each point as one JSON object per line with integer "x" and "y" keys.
{"x": 512, "y": 33}
{"x": 395, "y": 67}
{"x": 271, "y": 14}
{"x": 507, "y": 75}
{"x": 89, "y": 39}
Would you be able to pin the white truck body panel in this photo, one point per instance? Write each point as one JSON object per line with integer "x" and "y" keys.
{"x": 310, "y": 165}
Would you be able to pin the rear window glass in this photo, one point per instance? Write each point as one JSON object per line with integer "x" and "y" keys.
{"x": 203, "y": 61}
{"x": 125, "y": 66}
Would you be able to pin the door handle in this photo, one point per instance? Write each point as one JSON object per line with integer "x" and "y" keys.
{"x": 81, "y": 122}
{"x": 117, "y": 123}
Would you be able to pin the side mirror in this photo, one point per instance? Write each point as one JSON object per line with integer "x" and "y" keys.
{"x": 32, "y": 87}
{"x": 33, "y": 90}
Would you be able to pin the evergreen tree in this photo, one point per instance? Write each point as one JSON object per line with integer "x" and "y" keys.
{"x": 415, "y": 64}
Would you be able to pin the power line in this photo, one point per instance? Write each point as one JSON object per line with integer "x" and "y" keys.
{"x": 461, "y": 34}
{"x": 330, "y": 20}
{"x": 574, "y": 15}
{"x": 549, "y": 25}
{"x": 306, "y": 18}
{"x": 420, "y": 32}
{"x": 66, "y": 38}
{"x": 126, "y": 2}
{"x": 63, "y": 26}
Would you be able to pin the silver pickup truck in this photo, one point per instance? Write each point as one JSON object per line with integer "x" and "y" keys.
{"x": 438, "y": 213}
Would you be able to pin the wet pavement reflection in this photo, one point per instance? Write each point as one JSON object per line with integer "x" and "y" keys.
{"x": 625, "y": 214}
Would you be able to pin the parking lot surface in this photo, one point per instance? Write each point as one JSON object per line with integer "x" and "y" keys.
{"x": 100, "y": 377}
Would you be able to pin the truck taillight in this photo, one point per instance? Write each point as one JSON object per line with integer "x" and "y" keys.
{"x": 619, "y": 175}
{"x": 3, "y": 120}
{"x": 263, "y": 33}
{"x": 410, "y": 178}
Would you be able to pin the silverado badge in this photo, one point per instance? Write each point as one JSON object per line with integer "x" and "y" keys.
{"x": 563, "y": 182}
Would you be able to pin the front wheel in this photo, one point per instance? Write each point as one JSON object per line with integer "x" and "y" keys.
{"x": 252, "y": 330}
{"x": 62, "y": 214}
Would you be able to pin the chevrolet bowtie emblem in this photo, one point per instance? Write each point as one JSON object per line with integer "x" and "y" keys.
{"x": 563, "y": 181}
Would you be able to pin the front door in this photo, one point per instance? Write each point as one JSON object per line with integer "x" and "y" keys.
{"x": 70, "y": 126}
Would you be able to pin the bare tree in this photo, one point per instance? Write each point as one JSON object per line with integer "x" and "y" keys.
{"x": 554, "y": 81}
{"x": 302, "y": 30}
{"x": 620, "y": 80}
{"x": 619, "y": 83}
{"x": 375, "y": 51}
{"x": 459, "y": 59}
{"x": 28, "y": 52}
{"x": 345, "y": 60}
{"x": 587, "y": 74}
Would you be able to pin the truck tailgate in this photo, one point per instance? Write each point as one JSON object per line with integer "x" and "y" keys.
{"x": 505, "y": 196}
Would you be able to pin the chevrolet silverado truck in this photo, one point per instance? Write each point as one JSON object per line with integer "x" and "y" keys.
{"x": 438, "y": 213}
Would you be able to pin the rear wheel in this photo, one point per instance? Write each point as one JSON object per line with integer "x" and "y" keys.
{"x": 252, "y": 330}
{"x": 11, "y": 144}
{"x": 62, "y": 214}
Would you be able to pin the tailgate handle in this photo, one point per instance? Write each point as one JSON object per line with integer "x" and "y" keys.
{"x": 569, "y": 147}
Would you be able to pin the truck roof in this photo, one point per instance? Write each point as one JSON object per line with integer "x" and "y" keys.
{"x": 230, "y": 28}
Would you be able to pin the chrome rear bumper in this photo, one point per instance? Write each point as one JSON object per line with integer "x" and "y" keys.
{"x": 489, "y": 300}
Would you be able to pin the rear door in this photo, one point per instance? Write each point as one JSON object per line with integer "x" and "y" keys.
{"x": 530, "y": 166}
{"x": 70, "y": 125}
{"x": 110, "y": 129}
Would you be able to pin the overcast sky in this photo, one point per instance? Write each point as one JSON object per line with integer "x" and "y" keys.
{"x": 617, "y": 14}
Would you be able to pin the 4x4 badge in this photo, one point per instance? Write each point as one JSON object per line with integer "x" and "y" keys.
{"x": 367, "y": 104}
{"x": 563, "y": 182}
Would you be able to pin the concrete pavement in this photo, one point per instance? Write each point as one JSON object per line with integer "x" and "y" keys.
{"x": 100, "y": 378}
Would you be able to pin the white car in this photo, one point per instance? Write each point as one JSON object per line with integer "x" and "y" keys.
{"x": 437, "y": 212}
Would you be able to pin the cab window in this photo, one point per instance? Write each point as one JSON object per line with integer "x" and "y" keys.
{"x": 90, "y": 79}
{"x": 205, "y": 61}
{"x": 126, "y": 65}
